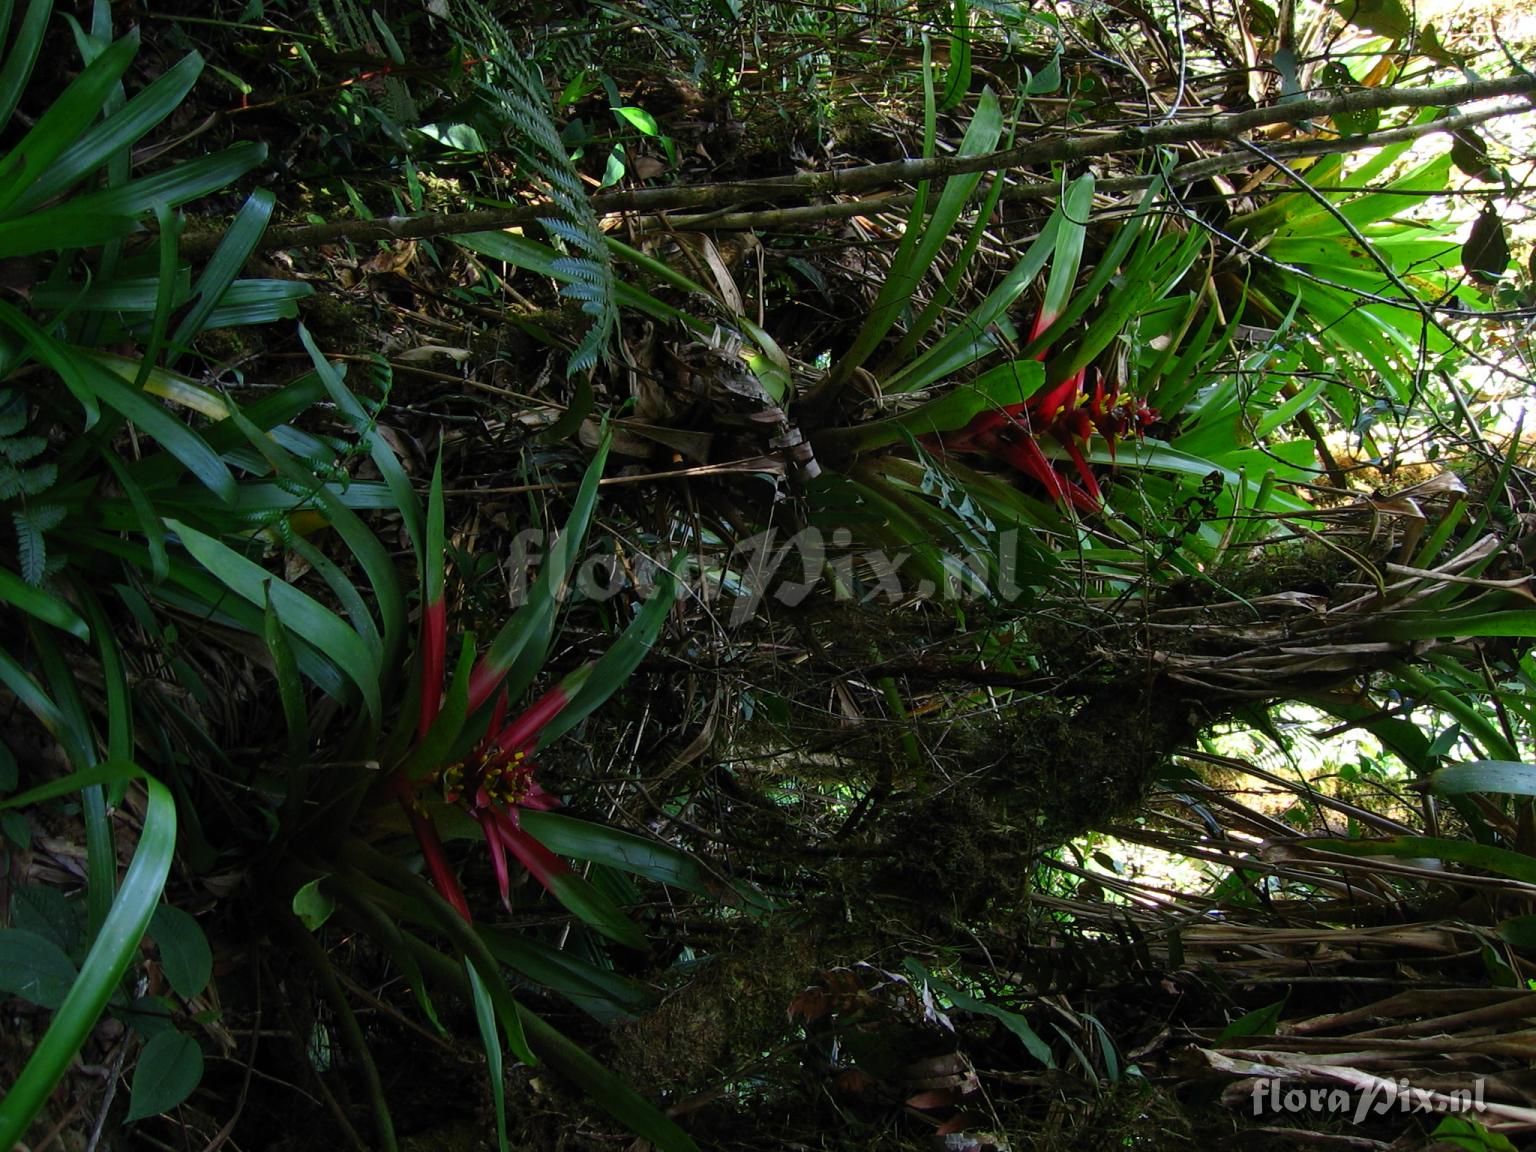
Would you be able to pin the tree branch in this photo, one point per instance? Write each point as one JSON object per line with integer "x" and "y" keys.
{"x": 849, "y": 181}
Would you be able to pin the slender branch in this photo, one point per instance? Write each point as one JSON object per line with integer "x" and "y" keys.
{"x": 849, "y": 181}
{"x": 1044, "y": 189}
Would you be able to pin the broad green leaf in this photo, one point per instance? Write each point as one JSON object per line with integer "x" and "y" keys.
{"x": 184, "y": 952}
{"x": 45, "y": 910}
{"x": 639, "y": 118}
{"x": 1259, "y": 1022}
{"x": 34, "y": 968}
{"x": 313, "y": 904}
{"x": 1467, "y": 1134}
{"x": 1519, "y": 931}
{"x": 1511, "y": 777}
{"x": 169, "y": 1068}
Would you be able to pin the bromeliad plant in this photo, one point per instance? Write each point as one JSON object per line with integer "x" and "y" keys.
{"x": 454, "y": 763}
{"x": 1064, "y": 412}
{"x": 477, "y": 761}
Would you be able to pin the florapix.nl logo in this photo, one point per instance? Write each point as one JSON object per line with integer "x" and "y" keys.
{"x": 781, "y": 568}
{"x": 1362, "y": 1098}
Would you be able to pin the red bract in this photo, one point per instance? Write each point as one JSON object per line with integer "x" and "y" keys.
{"x": 1071, "y": 417}
{"x": 492, "y": 784}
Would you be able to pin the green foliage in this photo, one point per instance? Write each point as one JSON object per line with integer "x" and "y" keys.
{"x": 1096, "y": 420}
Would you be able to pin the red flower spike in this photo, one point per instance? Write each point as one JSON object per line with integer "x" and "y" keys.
{"x": 521, "y": 733}
{"x": 434, "y": 653}
{"x": 1042, "y": 322}
{"x": 542, "y": 864}
{"x": 538, "y": 799}
{"x": 1076, "y": 424}
{"x": 1088, "y": 498}
{"x": 498, "y": 717}
{"x": 1049, "y": 405}
{"x": 443, "y": 879}
{"x": 1028, "y": 459}
{"x": 482, "y": 682}
{"x": 487, "y": 819}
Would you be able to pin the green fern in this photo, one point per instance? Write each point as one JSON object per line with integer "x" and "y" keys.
{"x": 20, "y": 480}
{"x": 586, "y": 270}
{"x": 31, "y": 547}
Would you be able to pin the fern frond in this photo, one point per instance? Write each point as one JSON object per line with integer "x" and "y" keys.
{"x": 574, "y": 237}
{"x": 31, "y": 551}
{"x": 17, "y": 449}
{"x": 16, "y": 482}
{"x": 13, "y": 412}
{"x": 586, "y": 274}
{"x": 20, "y": 449}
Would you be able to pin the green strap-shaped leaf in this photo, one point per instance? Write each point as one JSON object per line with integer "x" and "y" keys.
{"x": 41, "y": 604}
{"x": 600, "y": 992}
{"x": 620, "y": 661}
{"x": 611, "y": 1093}
{"x": 490, "y": 1040}
{"x": 21, "y": 56}
{"x": 103, "y": 969}
{"x": 116, "y": 134}
{"x": 518, "y": 650}
{"x": 1510, "y": 777}
{"x": 224, "y": 266}
{"x": 583, "y": 840}
{"x": 112, "y": 212}
{"x": 299, "y": 612}
{"x": 64, "y": 122}
{"x": 1002, "y": 386}
{"x": 1503, "y": 861}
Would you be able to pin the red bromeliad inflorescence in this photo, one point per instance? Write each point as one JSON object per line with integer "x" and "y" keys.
{"x": 1069, "y": 415}
{"x": 495, "y": 782}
